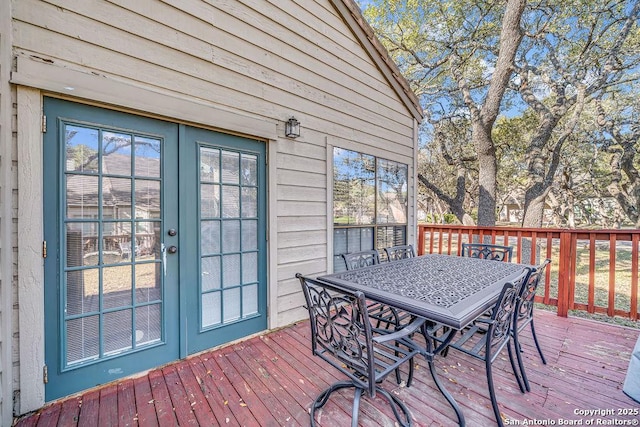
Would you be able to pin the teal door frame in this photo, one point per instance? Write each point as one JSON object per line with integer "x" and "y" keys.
{"x": 197, "y": 336}
{"x": 182, "y": 332}
{"x": 64, "y": 379}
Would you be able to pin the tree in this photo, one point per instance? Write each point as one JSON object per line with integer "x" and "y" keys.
{"x": 444, "y": 64}
{"x": 573, "y": 52}
{"x": 454, "y": 157}
{"x": 481, "y": 59}
{"x": 619, "y": 129}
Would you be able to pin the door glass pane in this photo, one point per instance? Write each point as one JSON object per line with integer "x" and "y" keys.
{"x": 250, "y": 300}
{"x": 83, "y": 339}
{"x": 81, "y": 149}
{"x": 82, "y": 244}
{"x": 249, "y": 202}
{"x": 230, "y": 236}
{"x": 210, "y": 237}
{"x": 112, "y": 234}
{"x": 250, "y": 267}
{"x": 209, "y": 165}
{"x": 147, "y": 199}
{"x": 211, "y": 309}
{"x": 148, "y": 282}
{"x": 230, "y": 270}
{"x": 147, "y": 157}
{"x": 210, "y": 273}
{"x": 147, "y": 240}
{"x": 117, "y": 332}
{"x": 148, "y": 324}
{"x": 209, "y": 201}
{"x": 116, "y": 197}
{"x": 249, "y": 170}
{"x": 249, "y": 235}
{"x": 230, "y": 202}
{"x": 231, "y": 304}
{"x": 230, "y": 167}
{"x": 233, "y": 239}
{"x": 82, "y": 196}
{"x": 82, "y": 292}
{"x": 116, "y": 153}
{"x": 116, "y": 286}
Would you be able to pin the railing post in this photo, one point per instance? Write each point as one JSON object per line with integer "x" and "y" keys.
{"x": 564, "y": 271}
{"x": 421, "y": 231}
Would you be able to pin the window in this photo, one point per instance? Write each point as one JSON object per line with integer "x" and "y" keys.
{"x": 369, "y": 203}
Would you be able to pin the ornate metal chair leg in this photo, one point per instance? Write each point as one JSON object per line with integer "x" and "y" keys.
{"x": 492, "y": 393}
{"x": 402, "y": 414}
{"x": 357, "y": 394}
{"x": 323, "y": 398}
{"x": 518, "y": 350}
{"x": 535, "y": 340}
{"x": 519, "y": 370}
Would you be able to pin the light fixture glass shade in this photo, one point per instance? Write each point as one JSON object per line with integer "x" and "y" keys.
{"x": 292, "y": 128}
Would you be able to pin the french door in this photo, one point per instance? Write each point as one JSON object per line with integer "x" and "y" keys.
{"x": 155, "y": 240}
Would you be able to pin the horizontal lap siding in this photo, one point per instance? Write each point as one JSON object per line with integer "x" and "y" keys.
{"x": 271, "y": 59}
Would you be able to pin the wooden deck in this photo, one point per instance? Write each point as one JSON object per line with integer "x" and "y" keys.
{"x": 272, "y": 379}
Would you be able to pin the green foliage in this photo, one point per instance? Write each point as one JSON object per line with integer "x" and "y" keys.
{"x": 574, "y": 54}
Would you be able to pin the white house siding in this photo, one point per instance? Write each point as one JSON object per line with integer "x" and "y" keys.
{"x": 249, "y": 65}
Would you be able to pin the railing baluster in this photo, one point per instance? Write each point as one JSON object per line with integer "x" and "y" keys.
{"x": 547, "y": 282}
{"x": 591, "y": 302}
{"x": 612, "y": 275}
{"x": 634, "y": 277}
{"x": 562, "y": 250}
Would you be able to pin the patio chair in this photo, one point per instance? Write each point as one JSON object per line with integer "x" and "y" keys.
{"x": 381, "y": 313}
{"x": 125, "y": 249}
{"x": 395, "y": 253}
{"x": 524, "y": 316}
{"x": 487, "y": 251}
{"x": 361, "y": 259}
{"x": 342, "y": 336}
{"x": 485, "y": 338}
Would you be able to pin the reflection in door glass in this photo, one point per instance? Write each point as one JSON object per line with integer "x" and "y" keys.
{"x": 116, "y": 153}
{"x": 209, "y": 165}
{"x": 230, "y": 167}
{"x": 81, "y": 149}
{"x": 147, "y": 157}
{"x": 113, "y": 281}
{"x": 82, "y": 196}
{"x": 228, "y": 236}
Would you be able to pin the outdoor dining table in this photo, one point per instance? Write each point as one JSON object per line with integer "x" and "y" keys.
{"x": 450, "y": 290}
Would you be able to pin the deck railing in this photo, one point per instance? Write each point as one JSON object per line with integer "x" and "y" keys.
{"x": 591, "y": 270}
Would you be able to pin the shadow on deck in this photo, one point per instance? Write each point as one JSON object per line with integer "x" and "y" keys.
{"x": 271, "y": 380}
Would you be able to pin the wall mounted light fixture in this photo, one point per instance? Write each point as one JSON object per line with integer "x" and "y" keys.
{"x": 292, "y": 128}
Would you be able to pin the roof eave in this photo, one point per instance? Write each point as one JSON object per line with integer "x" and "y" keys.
{"x": 352, "y": 15}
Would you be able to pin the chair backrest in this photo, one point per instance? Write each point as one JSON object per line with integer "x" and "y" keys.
{"x": 338, "y": 333}
{"x": 502, "y": 315}
{"x": 528, "y": 294}
{"x": 487, "y": 251}
{"x": 361, "y": 259}
{"x": 395, "y": 253}
{"x": 125, "y": 248}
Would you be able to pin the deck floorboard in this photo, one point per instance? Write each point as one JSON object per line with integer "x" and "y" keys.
{"x": 271, "y": 380}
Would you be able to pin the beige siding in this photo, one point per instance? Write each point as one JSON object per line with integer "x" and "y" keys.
{"x": 264, "y": 60}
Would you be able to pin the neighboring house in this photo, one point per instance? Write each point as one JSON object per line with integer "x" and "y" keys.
{"x": 152, "y": 205}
